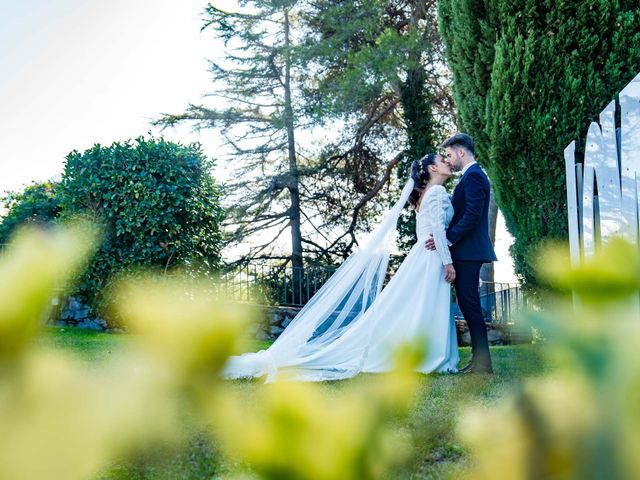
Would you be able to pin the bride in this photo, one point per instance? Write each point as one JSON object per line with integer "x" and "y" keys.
{"x": 351, "y": 324}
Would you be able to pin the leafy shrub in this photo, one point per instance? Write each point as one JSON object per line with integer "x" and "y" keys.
{"x": 156, "y": 202}
{"x": 37, "y": 203}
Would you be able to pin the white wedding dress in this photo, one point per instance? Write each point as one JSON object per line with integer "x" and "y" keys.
{"x": 352, "y": 326}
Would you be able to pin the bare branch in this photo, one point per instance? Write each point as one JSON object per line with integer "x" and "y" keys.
{"x": 363, "y": 201}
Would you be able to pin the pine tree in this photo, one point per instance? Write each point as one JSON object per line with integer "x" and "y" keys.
{"x": 256, "y": 82}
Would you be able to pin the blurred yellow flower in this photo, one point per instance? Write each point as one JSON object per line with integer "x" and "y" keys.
{"x": 60, "y": 420}
{"x": 300, "y": 431}
{"x": 183, "y": 324}
{"x": 582, "y": 421}
{"x": 32, "y": 268}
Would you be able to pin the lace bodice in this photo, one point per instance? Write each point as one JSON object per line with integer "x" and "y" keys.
{"x": 433, "y": 219}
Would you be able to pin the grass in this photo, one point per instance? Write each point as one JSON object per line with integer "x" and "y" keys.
{"x": 89, "y": 346}
{"x": 432, "y": 423}
{"x": 437, "y": 452}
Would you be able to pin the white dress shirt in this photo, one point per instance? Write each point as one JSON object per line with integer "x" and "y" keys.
{"x": 464, "y": 170}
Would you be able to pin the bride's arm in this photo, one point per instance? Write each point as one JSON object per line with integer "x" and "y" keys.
{"x": 437, "y": 213}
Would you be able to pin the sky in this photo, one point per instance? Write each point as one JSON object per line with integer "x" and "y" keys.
{"x": 79, "y": 72}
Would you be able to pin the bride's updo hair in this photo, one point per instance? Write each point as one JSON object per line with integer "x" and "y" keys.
{"x": 420, "y": 176}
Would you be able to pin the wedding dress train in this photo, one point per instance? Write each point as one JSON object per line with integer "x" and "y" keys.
{"x": 352, "y": 325}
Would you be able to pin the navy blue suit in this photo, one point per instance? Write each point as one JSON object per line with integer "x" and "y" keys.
{"x": 471, "y": 246}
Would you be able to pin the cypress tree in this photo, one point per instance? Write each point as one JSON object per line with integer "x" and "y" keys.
{"x": 529, "y": 76}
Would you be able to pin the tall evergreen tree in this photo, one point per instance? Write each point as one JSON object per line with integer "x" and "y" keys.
{"x": 382, "y": 72}
{"x": 528, "y": 78}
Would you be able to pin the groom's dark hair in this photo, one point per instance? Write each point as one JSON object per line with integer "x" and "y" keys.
{"x": 460, "y": 140}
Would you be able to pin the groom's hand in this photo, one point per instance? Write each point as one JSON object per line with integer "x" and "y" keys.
{"x": 430, "y": 244}
{"x": 449, "y": 273}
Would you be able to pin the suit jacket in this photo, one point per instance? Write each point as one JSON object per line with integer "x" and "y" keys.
{"x": 468, "y": 231}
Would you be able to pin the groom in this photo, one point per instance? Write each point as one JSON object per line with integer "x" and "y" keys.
{"x": 469, "y": 242}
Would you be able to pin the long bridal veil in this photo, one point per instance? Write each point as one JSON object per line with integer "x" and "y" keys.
{"x": 328, "y": 338}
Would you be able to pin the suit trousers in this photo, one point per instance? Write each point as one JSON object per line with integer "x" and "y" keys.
{"x": 468, "y": 295}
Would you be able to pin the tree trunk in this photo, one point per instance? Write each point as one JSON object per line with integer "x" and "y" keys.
{"x": 420, "y": 124}
{"x": 293, "y": 181}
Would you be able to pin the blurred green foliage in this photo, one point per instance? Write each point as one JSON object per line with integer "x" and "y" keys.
{"x": 579, "y": 420}
{"x": 48, "y": 404}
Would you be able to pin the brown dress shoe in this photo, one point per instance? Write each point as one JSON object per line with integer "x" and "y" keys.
{"x": 481, "y": 369}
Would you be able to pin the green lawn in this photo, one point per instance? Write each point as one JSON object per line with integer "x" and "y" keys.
{"x": 437, "y": 453}
{"x": 87, "y": 345}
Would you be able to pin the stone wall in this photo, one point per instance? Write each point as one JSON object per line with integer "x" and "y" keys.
{"x": 73, "y": 313}
{"x": 498, "y": 333}
{"x": 277, "y": 318}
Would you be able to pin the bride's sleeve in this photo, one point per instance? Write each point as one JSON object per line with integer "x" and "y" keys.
{"x": 438, "y": 214}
